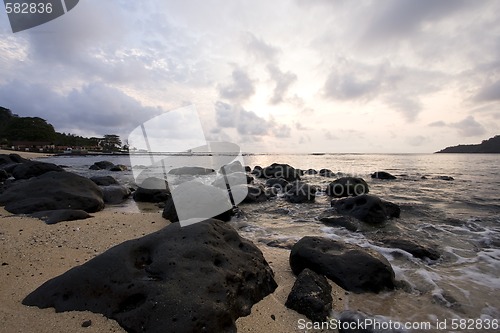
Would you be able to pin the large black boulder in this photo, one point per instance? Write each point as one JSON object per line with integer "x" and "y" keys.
{"x": 367, "y": 208}
{"x": 346, "y": 187}
{"x": 278, "y": 183}
{"x": 30, "y": 169}
{"x": 104, "y": 180}
{"x": 102, "y": 165}
{"x": 299, "y": 192}
{"x": 50, "y": 191}
{"x": 152, "y": 189}
{"x": 3, "y": 175}
{"x": 311, "y": 295}
{"x": 284, "y": 171}
{"x": 350, "y": 266}
{"x": 115, "y": 194}
{"x": 198, "y": 278}
{"x": 196, "y": 200}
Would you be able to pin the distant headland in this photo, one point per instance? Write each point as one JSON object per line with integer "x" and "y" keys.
{"x": 490, "y": 146}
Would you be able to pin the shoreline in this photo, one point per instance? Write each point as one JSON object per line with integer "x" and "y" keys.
{"x": 33, "y": 252}
{"x": 25, "y": 154}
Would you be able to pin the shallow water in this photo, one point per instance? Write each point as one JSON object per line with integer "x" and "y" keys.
{"x": 460, "y": 217}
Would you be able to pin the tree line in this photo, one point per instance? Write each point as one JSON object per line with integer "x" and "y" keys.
{"x": 14, "y": 128}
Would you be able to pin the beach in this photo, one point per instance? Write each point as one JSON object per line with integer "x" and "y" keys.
{"x": 33, "y": 252}
{"x": 459, "y": 284}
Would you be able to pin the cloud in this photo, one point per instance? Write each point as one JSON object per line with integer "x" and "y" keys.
{"x": 330, "y": 136}
{"x": 403, "y": 18}
{"x": 409, "y": 107}
{"x": 240, "y": 89}
{"x": 469, "y": 127}
{"x": 438, "y": 123}
{"x": 247, "y": 123}
{"x": 489, "y": 93}
{"x": 259, "y": 48}
{"x": 283, "y": 82}
{"x": 350, "y": 85}
{"x": 93, "y": 109}
{"x": 417, "y": 140}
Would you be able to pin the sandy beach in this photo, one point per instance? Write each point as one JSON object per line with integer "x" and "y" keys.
{"x": 32, "y": 252}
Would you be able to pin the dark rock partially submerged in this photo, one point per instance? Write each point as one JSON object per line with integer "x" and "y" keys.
{"x": 198, "y": 278}
{"x": 415, "y": 249}
{"x": 382, "y": 175}
{"x": 350, "y": 266}
{"x": 367, "y": 208}
{"x": 346, "y": 187}
{"x": 311, "y": 295}
{"x": 191, "y": 171}
{"x": 277, "y": 170}
{"x": 50, "y": 191}
{"x": 299, "y": 192}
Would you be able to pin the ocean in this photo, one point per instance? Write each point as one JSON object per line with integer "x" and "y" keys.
{"x": 460, "y": 217}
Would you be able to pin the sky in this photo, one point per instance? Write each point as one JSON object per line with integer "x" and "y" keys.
{"x": 287, "y": 76}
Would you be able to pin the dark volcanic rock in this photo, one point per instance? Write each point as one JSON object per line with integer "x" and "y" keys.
{"x": 279, "y": 183}
{"x": 350, "y": 266}
{"x": 3, "y": 175}
{"x": 50, "y": 191}
{"x": 152, "y": 189}
{"x": 102, "y": 165}
{"x": 448, "y": 178}
{"x": 257, "y": 171}
{"x": 104, "y": 180}
{"x": 30, "y": 169}
{"x": 60, "y": 215}
{"x": 11, "y": 159}
{"x": 115, "y": 194}
{"x": 412, "y": 247}
{"x": 198, "y": 278}
{"x": 382, "y": 175}
{"x": 299, "y": 192}
{"x": 327, "y": 173}
{"x": 346, "y": 187}
{"x": 277, "y": 170}
{"x": 311, "y": 296}
{"x": 118, "y": 167}
{"x": 348, "y": 222}
{"x": 367, "y": 208}
{"x": 254, "y": 193}
{"x": 191, "y": 171}
{"x": 311, "y": 172}
{"x": 197, "y": 200}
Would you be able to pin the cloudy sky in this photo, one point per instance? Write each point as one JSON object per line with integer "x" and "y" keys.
{"x": 388, "y": 76}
